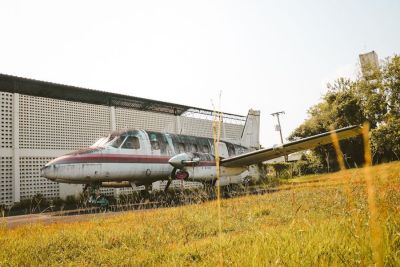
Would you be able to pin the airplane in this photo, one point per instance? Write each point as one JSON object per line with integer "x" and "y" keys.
{"x": 130, "y": 158}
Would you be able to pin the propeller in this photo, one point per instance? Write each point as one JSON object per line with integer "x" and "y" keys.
{"x": 183, "y": 160}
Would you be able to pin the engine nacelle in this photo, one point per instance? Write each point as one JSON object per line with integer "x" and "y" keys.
{"x": 183, "y": 160}
{"x": 201, "y": 167}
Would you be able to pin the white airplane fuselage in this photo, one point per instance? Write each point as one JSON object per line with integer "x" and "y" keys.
{"x": 142, "y": 157}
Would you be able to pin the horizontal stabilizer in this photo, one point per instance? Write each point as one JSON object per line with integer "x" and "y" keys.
{"x": 288, "y": 148}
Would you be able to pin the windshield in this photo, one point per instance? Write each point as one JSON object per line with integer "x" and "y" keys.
{"x": 117, "y": 142}
{"x": 132, "y": 142}
{"x": 101, "y": 142}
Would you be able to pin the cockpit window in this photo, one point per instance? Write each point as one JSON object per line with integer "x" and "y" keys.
{"x": 118, "y": 141}
{"x": 155, "y": 145}
{"x": 102, "y": 141}
{"x": 132, "y": 142}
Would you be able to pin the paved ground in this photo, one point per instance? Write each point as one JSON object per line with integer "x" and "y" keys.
{"x": 47, "y": 218}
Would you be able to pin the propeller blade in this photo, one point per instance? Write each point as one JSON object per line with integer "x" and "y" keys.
{"x": 85, "y": 188}
{"x": 172, "y": 176}
{"x": 168, "y": 184}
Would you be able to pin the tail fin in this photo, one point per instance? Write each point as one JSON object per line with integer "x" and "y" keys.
{"x": 251, "y": 131}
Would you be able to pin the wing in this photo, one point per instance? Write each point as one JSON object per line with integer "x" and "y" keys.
{"x": 288, "y": 148}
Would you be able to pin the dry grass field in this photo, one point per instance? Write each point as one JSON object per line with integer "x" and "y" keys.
{"x": 321, "y": 220}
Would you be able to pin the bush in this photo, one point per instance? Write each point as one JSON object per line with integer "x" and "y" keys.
{"x": 283, "y": 169}
{"x": 309, "y": 164}
{"x": 58, "y": 202}
{"x": 71, "y": 201}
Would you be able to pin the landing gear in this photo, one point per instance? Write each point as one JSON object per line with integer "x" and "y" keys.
{"x": 95, "y": 198}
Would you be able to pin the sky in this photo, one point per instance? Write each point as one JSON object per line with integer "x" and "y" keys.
{"x": 265, "y": 55}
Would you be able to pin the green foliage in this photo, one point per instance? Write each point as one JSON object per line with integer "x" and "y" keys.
{"x": 309, "y": 164}
{"x": 71, "y": 200}
{"x": 375, "y": 99}
{"x": 283, "y": 169}
{"x": 385, "y": 141}
{"x": 58, "y": 202}
{"x": 2, "y": 210}
{"x": 391, "y": 85}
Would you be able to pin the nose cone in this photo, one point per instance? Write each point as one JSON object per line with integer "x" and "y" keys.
{"x": 178, "y": 160}
{"x": 48, "y": 171}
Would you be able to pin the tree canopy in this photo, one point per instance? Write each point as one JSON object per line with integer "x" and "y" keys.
{"x": 375, "y": 99}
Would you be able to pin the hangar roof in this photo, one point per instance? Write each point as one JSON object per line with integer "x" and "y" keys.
{"x": 14, "y": 84}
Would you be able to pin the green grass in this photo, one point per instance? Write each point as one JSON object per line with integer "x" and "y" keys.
{"x": 313, "y": 221}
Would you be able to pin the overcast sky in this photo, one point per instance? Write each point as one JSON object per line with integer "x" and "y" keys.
{"x": 266, "y": 55}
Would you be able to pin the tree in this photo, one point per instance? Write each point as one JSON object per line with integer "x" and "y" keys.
{"x": 375, "y": 99}
{"x": 391, "y": 85}
{"x": 385, "y": 141}
{"x": 340, "y": 107}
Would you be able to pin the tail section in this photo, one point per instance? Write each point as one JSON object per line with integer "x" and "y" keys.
{"x": 251, "y": 131}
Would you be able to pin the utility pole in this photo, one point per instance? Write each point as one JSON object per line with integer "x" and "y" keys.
{"x": 279, "y": 128}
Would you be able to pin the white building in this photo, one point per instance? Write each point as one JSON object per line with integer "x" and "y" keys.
{"x": 41, "y": 120}
{"x": 369, "y": 63}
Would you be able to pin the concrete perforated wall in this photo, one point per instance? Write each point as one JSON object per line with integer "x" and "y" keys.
{"x": 5, "y": 181}
{"x": 136, "y": 119}
{"x": 47, "y": 123}
{"x": 31, "y": 181}
{"x": 6, "y": 106}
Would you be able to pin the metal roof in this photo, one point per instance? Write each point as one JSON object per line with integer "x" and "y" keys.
{"x": 14, "y": 84}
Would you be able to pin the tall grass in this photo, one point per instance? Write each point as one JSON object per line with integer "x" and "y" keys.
{"x": 374, "y": 220}
{"x": 374, "y": 225}
{"x": 217, "y": 118}
{"x": 306, "y": 223}
{"x": 342, "y": 166}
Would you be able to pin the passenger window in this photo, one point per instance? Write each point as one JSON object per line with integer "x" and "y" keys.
{"x": 155, "y": 144}
{"x": 181, "y": 147}
{"x": 132, "y": 142}
{"x": 231, "y": 149}
{"x": 193, "y": 148}
{"x": 206, "y": 149}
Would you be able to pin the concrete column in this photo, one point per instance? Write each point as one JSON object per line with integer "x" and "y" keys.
{"x": 16, "y": 185}
{"x": 113, "y": 120}
{"x": 113, "y": 127}
{"x": 223, "y": 134}
{"x": 178, "y": 126}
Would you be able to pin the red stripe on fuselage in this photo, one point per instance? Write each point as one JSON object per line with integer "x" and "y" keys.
{"x": 118, "y": 158}
{"x": 111, "y": 158}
